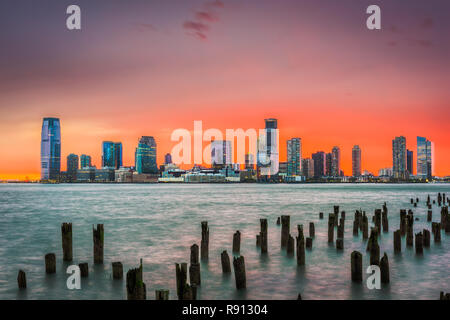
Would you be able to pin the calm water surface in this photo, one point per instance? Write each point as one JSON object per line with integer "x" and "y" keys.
{"x": 159, "y": 223}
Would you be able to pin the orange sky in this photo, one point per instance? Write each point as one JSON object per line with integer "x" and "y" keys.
{"x": 313, "y": 65}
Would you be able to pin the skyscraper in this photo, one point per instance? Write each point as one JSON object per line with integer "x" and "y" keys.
{"x": 50, "y": 149}
{"x": 294, "y": 157}
{"x": 145, "y": 156}
{"x": 328, "y": 164}
{"x": 308, "y": 168}
{"x": 399, "y": 157}
{"x": 319, "y": 159}
{"x": 409, "y": 161}
{"x": 168, "y": 158}
{"x": 72, "y": 167}
{"x": 112, "y": 154}
{"x": 85, "y": 161}
{"x": 272, "y": 145}
{"x": 335, "y": 162}
{"x": 425, "y": 150}
{"x": 356, "y": 161}
{"x": 220, "y": 153}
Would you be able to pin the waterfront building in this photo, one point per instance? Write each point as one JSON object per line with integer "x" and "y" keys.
{"x": 336, "y": 162}
{"x": 271, "y": 131}
{"x": 385, "y": 172}
{"x": 86, "y": 174}
{"x": 72, "y": 167}
{"x": 294, "y": 157}
{"x": 50, "y": 149}
{"x": 112, "y": 154}
{"x": 283, "y": 168}
{"x": 105, "y": 175}
{"x": 425, "y": 150}
{"x": 221, "y": 154}
{"x": 145, "y": 156}
{"x": 328, "y": 164}
{"x": 319, "y": 159}
{"x": 85, "y": 161}
{"x": 399, "y": 157}
{"x": 167, "y": 158}
{"x": 249, "y": 161}
{"x": 409, "y": 161}
{"x": 124, "y": 175}
{"x": 308, "y": 168}
{"x": 356, "y": 161}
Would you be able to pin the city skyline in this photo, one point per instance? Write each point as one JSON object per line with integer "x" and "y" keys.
{"x": 139, "y": 68}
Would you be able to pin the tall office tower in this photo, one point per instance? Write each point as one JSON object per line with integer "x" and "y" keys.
{"x": 319, "y": 159}
{"x": 399, "y": 157}
{"x": 249, "y": 161}
{"x": 308, "y": 168}
{"x": 425, "y": 150}
{"x": 145, "y": 155}
{"x": 50, "y": 149}
{"x": 356, "y": 161}
{"x": 85, "y": 161}
{"x": 112, "y": 154}
{"x": 271, "y": 131}
{"x": 328, "y": 164}
{"x": 168, "y": 158}
{"x": 72, "y": 167}
{"x": 294, "y": 157}
{"x": 220, "y": 153}
{"x": 336, "y": 162}
{"x": 409, "y": 161}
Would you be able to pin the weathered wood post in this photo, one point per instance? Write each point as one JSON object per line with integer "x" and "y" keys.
{"x": 384, "y": 217}
{"x": 430, "y": 215}
{"x": 300, "y": 250}
{"x": 419, "y": 243}
{"x": 225, "y": 259}
{"x": 365, "y": 225}
{"x": 161, "y": 294}
{"x": 341, "y": 228}
{"x": 84, "y": 269}
{"x": 312, "y": 230}
{"x": 373, "y": 247}
{"x": 239, "y": 272}
{"x": 343, "y": 214}
{"x": 285, "y": 227}
{"x": 397, "y": 241}
{"x": 117, "y": 268}
{"x": 99, "y": 237}
{"x": 22, "y": 280}
{"x": 331, "y": 218}
{"x": 426, "y": 238}
{"x": 384, "y": 269}
{"x": 336, "y": 211}
{"x": 184, "y": 291}
{"x": 205, "y": 241}
{"x": 436, "y": 228}
{"x": 194, "y": 268}
{"x": 50, "y": 263}
{"x": 409, "y": 230}
{"x": 309, "y": 242}
{"x": 339, "y": 244}
{"x": 136, "y": 289}
{"x": 263, "y": 235}
{"x": 320, "y": 215}
{"x": 403, "y": 222}
{"x": 356, "y": 266}
{"x": 237, "y": 242}
{"x": 290, "y": 246}
{"x": 66, "y": 234}
{"x": 378, "y": 219}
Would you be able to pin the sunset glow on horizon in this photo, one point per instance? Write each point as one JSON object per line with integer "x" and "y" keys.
{"x": 150, "y": 67}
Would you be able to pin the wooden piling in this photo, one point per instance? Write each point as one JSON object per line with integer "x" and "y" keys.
{"x": 309, "y": 242}
{"x": 99, "y": 236}
{"x": 320, "y": 215}
{"x": 419, "y": 243}
{"x": 378, "y": 219}
{"x": 355, "y": 227}
{"x": 239, "y": 272}
{"x": 117, "y": 269}
{"x": 290, "y": 246}
{"x": 436, "y": 228}
{"x": 365, "y": 227}
{"x": 136, "y": 289}
{"x": 22, "y": 280}
{"x": 237, "y": 242}
{"x": 409, "y": 229}
{"x": 356, "y": 266}
{"x": 430, "y": 215}
{"x": 285, "y": 227}
{"x": 384, "y": 269}
{"x": 194, "y": 268}
{"x": 331, "y": 218}
{"x": 426, "y": 238}
{"x": 300, "y": 250}
{"x": 184, "y": 290}
{"x": 312, "y": 230}
{"x": 225, "y": 259}
{"x": 50, "y": 263}
{"x": 66, "y": 234}
{"x": 403, "y": 222}
{"x": 205, "y": 241}
{"x": 161, "y": 294}
{"x": 384, "y": 218}
{"x": 263, "y": 235}
{"x": 84, "y": 269}
{"x": 278, "y": 221}
{"x": 397, "y": 242}
{"x": 339, "y": 244}
{"x": 341, "y": 228}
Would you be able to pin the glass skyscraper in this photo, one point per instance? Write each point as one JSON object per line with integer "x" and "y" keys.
{"x": 356, "y": 161}
{"x": 319, "y": 159}
{"x": 294, "y": 156}
{"x": 424, "y": 158}
{"x": 409, "y": 161}
{"x": 112, "y": 154}
{"x": 72, "y": 167}
{"x": 50, "y": 149}
{"x": 336, "y": 162}
{"x": 85, "y": 161}
{"x": 145, "y": 156}
{"x": 399, "y": 157}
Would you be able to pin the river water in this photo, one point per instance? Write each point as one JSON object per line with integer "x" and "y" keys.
{"x": 160, "y": 222}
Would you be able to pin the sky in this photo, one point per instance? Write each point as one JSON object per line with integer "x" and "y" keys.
{"x": 145, "y": 67}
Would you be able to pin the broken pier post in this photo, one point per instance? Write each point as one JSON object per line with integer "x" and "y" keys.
{"x": 84, "y": 269}
{"x": 384, "y": 269}
{"x": 66, "y": 234}
{"x": 263, "y": 235}
{"x": 237, "y": 242}
{"x": 99, "y": 238}
{"x": 225, "y": 259}
{"x": 205, "y": 241}
{"x": 285, "y": 228}
{"x": 117, "y": 269}
{"x": 239, "y": 272}
{"x": 22, "y": 280}
{"x": 161, "y": 294}
{"x": 356, "y": 266}
{"x": 50, "y": 263}
{"x": 135, "y": 284}
{"x": 194, "y": 268}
